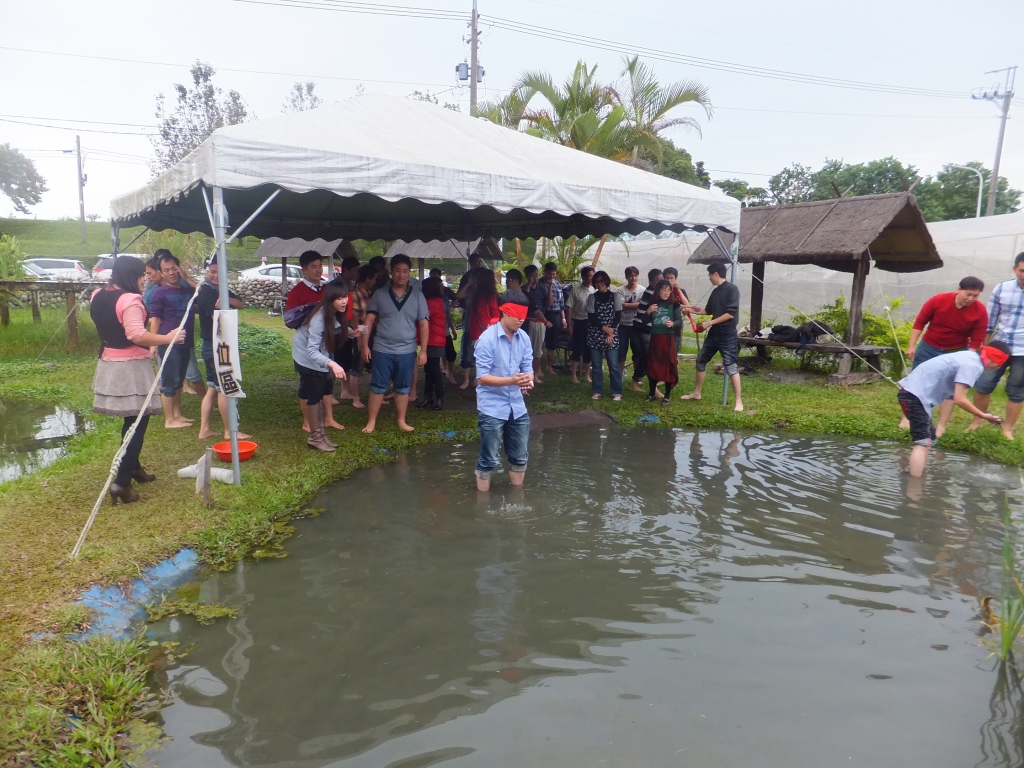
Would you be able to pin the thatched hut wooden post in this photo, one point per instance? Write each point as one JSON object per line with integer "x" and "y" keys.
{"x": 845, "y": 235}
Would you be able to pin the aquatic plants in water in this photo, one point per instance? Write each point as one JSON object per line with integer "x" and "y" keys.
{"x": 1009, "y": 622}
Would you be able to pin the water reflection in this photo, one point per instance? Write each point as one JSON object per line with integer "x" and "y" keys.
{"x": 33, "y": 435}
{"x": 650, "y": 598}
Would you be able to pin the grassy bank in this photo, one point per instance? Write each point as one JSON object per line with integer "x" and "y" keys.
{"x": 44, "y": 685}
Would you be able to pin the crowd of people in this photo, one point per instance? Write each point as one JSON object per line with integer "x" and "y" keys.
{"x": 376, "y": 320}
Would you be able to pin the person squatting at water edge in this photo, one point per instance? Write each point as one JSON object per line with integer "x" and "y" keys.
{"x": 724, "y": 307}
{"x": 504, "y": 369}
{"x": 1006, "y": 324}
{"x": 124, "y": 373}
{"x": 939, "y": 379}
{"x": 312, "y": 348}
{"x": 954, "y": 321}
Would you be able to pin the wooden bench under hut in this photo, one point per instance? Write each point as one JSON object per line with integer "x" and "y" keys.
{"x": 844, "y": 235}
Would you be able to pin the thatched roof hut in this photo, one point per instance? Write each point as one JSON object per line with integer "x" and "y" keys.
{"x": 845, "y": 235}
{"x": 275, "y": 248}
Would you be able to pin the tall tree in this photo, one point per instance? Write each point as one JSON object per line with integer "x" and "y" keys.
{"x": 953, "y": 193}
{"x": 647, "y": 104}
{"x": 198, "y": 111}
{"x": 668, "y": 160}
{"x": 19, "y": 179}
{"x": 742, "y": 191}
{"x": 301, "y": 98}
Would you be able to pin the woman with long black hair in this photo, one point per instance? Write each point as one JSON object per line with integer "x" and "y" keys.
{"x": 124, "y": 373}
{"x": 313, "y": 355}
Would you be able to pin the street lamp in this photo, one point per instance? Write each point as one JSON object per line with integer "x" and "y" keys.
{"x": 981, "y": 184}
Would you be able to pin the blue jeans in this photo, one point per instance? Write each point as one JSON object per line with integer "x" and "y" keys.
{"x": 925, "y": 352}
{"x": 1014, "y": 382}
{"x": 614, "y": 370}
{"x": 513, "y": 433}
{"x": 392, "y": 369}
{"x": 173, "y": 377}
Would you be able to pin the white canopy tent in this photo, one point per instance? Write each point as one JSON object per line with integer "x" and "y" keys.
{"x": 378, "y": 166}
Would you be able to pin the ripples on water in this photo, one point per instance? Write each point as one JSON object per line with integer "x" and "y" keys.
{"x": 651, "y": 598}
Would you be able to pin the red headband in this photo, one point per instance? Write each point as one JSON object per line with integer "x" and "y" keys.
{"x": 518, "y": 311}
{"x": 991, "y": 354}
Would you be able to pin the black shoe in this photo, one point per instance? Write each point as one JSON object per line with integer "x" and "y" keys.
{"x": 140, "y": 475}
{"x": 426, "y": 402}
{"x": 439, "y": 404}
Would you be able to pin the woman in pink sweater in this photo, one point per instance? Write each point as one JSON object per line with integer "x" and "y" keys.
{"x": 124, "y": 374}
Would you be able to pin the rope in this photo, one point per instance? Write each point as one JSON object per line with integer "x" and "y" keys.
{"x": 119, "y": 454}
{"x": 64, "y": 324}
{"x": 840, "y": 342}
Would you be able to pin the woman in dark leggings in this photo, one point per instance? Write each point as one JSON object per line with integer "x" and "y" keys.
{"x": 124, "y": 373}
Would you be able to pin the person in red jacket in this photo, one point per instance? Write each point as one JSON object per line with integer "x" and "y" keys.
{"x": 948, "y": 322}
{"x": 437, "y": 337}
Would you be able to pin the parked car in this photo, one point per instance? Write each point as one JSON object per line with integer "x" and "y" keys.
{"x": 101, "y": 271}
{"x": 61, "y": 269}
{"x": 34, "y": 272}
{"x": 270, "y": 272}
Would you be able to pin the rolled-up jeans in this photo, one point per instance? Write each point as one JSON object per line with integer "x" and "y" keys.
{"x": 513, "y": 433}
{"x": 614, "y": 370}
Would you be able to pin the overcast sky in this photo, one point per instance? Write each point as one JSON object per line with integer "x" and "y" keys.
{"x": 759, "y": 126}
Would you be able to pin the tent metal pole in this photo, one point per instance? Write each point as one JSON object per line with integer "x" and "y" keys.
{"x": 115, "y": 238}
{"x": 220, "y": 228}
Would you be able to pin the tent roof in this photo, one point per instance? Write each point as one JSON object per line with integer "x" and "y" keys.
{"x": 835, "y": 234}
{"x": 379, "y": 166}
{"x": 275, "y": 249}
{"x": 445, "y": 249}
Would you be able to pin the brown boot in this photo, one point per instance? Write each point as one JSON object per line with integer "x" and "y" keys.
{"x": 123, "y": 494}
{"x": 317, "y": 433}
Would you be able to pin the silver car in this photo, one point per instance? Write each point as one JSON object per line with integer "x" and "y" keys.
{"x": 270, "y": 272}
{"x": 60, "y": 269}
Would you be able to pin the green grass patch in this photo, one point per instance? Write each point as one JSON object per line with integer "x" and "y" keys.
{"x": 42, "y": 514}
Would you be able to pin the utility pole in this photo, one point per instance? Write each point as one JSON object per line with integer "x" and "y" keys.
{"x": 474, "y": 61}
{"x": 81, "y": 186}
{"x": 1006, "y": 96}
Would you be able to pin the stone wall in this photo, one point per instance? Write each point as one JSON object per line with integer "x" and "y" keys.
{"x": 264, "y": 294}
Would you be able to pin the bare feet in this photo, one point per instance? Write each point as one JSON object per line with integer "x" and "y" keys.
{"x": 206, "y": 434}
{"x": 334, "y": 425}
{"x": 574, "y": 380}
{"x": 305, "y": 426}
{"x": 177, "y": 424}
{"x": 187, "y": 388}
{"x": 404, "y": 427}
{"x": 739, "y": 407}
{"x": 450, "y": 377}
{"x": 974, "y": 425}
{"x": 1007, "y": 433}
{"x": 691, "y": 396}
{"x": 464, "y": 385}
{"x": 358, "y": 404}
{"x": 483, "y": 485}
{"x": 635, "y": 387}
{"x": 368, "y": 429}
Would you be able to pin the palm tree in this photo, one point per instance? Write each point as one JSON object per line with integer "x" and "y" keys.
{"x": 647, "y": 104}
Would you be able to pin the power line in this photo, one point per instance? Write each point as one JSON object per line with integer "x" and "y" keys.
{"x": 89, "y": 122}
{"x": 219, "y": 69}
{"x": 724, "y": 66}
{"x": 370, "y": 9}
{"x": 80, "y": 130}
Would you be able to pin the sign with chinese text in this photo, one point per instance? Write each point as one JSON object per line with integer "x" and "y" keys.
{"x": 225, "y": 352}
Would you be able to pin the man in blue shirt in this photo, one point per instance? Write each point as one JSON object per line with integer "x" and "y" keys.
{"x": 1006, "y": 324}
{"x": 504, "y": 369}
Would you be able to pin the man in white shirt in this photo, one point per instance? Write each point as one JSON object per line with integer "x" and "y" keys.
{"x": 942, "y": 378}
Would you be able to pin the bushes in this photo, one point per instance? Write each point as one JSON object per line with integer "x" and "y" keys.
{"x": 880, "y": 330}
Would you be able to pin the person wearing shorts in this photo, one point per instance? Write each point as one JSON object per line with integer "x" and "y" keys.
{"x": 722, "y": 337}
{"x": 550, "y": 301}
{"x": 1006, "y": 324}
{"x": 400, "y": 317}
{"x": 207, "y": 302}
{"x": 940, "y": 379}
{"x": 168, "y": 306}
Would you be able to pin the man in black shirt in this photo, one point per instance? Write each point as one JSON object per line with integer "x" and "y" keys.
{"x": 642, "y": 328}
{"x": 206, "y": 302}
{"x": 724, "y": 307}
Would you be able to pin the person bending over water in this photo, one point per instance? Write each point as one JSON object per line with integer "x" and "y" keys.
{"x": 939, "y": 379}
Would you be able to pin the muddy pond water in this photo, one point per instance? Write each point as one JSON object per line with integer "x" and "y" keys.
{"x": 33, "y": 435}
{"x": 651, "y": 598}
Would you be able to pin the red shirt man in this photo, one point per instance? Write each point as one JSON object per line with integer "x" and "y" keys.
{"x": 954, "y": 321}
{"x": 308, "y": 289}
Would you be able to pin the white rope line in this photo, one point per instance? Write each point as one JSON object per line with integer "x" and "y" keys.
{"x": 64, "y": 324}
{"x": 840, "y": 342}
{"x": 119, "y": 454}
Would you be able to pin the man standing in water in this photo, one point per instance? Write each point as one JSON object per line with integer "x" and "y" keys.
{"x": 504, "y": 370}
{"x": 724, "y": 307}
{"x": 1006, "y": 324}
{"x": 939, "y": 379}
